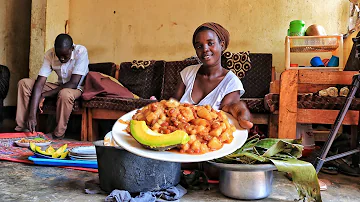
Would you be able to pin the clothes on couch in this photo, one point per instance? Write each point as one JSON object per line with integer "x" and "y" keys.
{"x": 97, "y": 84}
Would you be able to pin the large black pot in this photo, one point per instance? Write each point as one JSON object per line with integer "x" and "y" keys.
{"x": 120, "y": 169}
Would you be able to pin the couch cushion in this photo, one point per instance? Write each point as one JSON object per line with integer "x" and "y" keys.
{"x": 121, "y": 104}
{"x": 108, "y": 68}
{"x": 4, "y": 81}
{"x": 257, "y": 80}
{"x": 239, "y": 63}
{"x": 172, "y": 75}
{"x": 145, "y": 82}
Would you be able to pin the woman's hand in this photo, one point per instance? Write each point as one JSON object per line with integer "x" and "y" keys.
{"x": 41, "y": 103}
{"x": 240, "y": 111}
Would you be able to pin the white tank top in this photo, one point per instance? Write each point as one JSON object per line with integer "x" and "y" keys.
{"x": 230, "y": 83}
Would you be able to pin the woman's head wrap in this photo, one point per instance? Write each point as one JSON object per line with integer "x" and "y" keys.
{"x": 220, "y": 31}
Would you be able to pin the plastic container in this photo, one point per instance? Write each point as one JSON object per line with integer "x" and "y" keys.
{"x": 120, "y": 169}
{"x": 62, "y": 162}
{"x": 296, "y": 28}
{"x": 305, "y": 132}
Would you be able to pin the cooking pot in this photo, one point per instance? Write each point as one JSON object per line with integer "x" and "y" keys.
{"x": 244, "y": 181}
{"x": 123, "y": 170}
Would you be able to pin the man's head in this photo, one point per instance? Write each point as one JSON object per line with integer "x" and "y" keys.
{"x": 63, "y": 47}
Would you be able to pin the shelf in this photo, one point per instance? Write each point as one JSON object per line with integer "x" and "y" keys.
{"x": 311, "y": 44}
{"x": 317, "y": 48}
{"x": 318, "y": 68}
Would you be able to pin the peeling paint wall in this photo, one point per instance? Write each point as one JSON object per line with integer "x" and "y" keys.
{"x": 121, "y": 30}
{"x": 15, "y": 42}
{"x": 48, "y": 19}
{"x": 37, "y": 42}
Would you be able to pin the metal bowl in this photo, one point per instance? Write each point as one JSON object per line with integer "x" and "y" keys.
{"x": 243, "y": 181}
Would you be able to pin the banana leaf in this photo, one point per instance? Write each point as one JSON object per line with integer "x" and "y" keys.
{"x": 283, "y": 153}
{"x": 303, "y": 176}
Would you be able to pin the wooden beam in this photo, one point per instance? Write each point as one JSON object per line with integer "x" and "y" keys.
{"x": 288, "y": 104}
{"x": 312, "y": 88}
{"x": 260, "y": 118}
{"x": 273, "y": 126}
{"x": 322, "y": 116}
{"x": 84, "y": 126}
{"x": 275, "y": 87}
{"x": 326, "y": 77}
{"x": 107, "y": 114}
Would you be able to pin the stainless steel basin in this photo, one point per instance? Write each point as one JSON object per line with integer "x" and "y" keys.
{"x": 243, "y": 181}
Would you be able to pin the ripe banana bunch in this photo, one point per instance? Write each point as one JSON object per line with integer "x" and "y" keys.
{"x": 60, "y": 153}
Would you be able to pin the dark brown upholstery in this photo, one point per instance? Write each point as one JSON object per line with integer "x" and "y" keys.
{"x": 257, "y": 80}
{"x": 313, "y": 102}
{"x": 172, "y": 75}
{"x": 143, "y": 82}
{"x": 4, "y": 86}
{"x": 108, "y": 68}
{"x": 122, "y": 104}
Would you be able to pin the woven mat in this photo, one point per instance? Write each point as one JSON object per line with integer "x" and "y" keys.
{"x": 9, "y": 151}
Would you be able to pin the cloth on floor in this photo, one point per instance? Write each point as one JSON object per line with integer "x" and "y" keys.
{"x": 169, "y": 194}
{"x": 97, "y": 84}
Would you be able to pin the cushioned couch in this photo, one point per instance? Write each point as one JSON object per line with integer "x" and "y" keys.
{"x": 160, "y": 78}
{"x": 4, "y": 87}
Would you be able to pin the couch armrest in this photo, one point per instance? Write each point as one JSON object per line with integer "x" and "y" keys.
{"x": 4, "y": 81}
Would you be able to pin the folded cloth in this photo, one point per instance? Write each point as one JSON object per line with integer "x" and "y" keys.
{"x": 169, "y": 194}
{"x": 97, "y": 84}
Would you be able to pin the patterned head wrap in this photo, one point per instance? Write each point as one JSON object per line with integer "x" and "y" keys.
{"x": 220, "y": 31}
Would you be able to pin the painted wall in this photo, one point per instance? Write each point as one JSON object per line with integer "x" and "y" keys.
{"x": 15, "y": 42}
{"x": 48, "y": 19}
{"x": 121, "y": 30}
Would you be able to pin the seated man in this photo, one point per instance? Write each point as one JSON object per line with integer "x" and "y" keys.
{"x": 70, "y": 62}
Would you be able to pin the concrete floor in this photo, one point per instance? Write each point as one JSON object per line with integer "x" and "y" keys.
{"x": 21, "y": 182}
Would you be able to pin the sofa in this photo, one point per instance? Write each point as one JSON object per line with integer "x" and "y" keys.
{"x": 160, "y": 78}
{"x": 4, "y": 87}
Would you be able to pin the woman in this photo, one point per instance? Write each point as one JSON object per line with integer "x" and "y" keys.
{"x": 209, "y": 83}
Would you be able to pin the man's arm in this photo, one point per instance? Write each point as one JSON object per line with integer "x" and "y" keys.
{"x": 34, "y": 102}
{"x": 73, "y": 83}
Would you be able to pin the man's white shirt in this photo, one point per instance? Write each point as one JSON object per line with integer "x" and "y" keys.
{"x": 78, "y": 64}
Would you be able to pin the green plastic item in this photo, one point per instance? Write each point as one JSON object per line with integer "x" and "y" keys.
{"x": 297, "y": 28}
